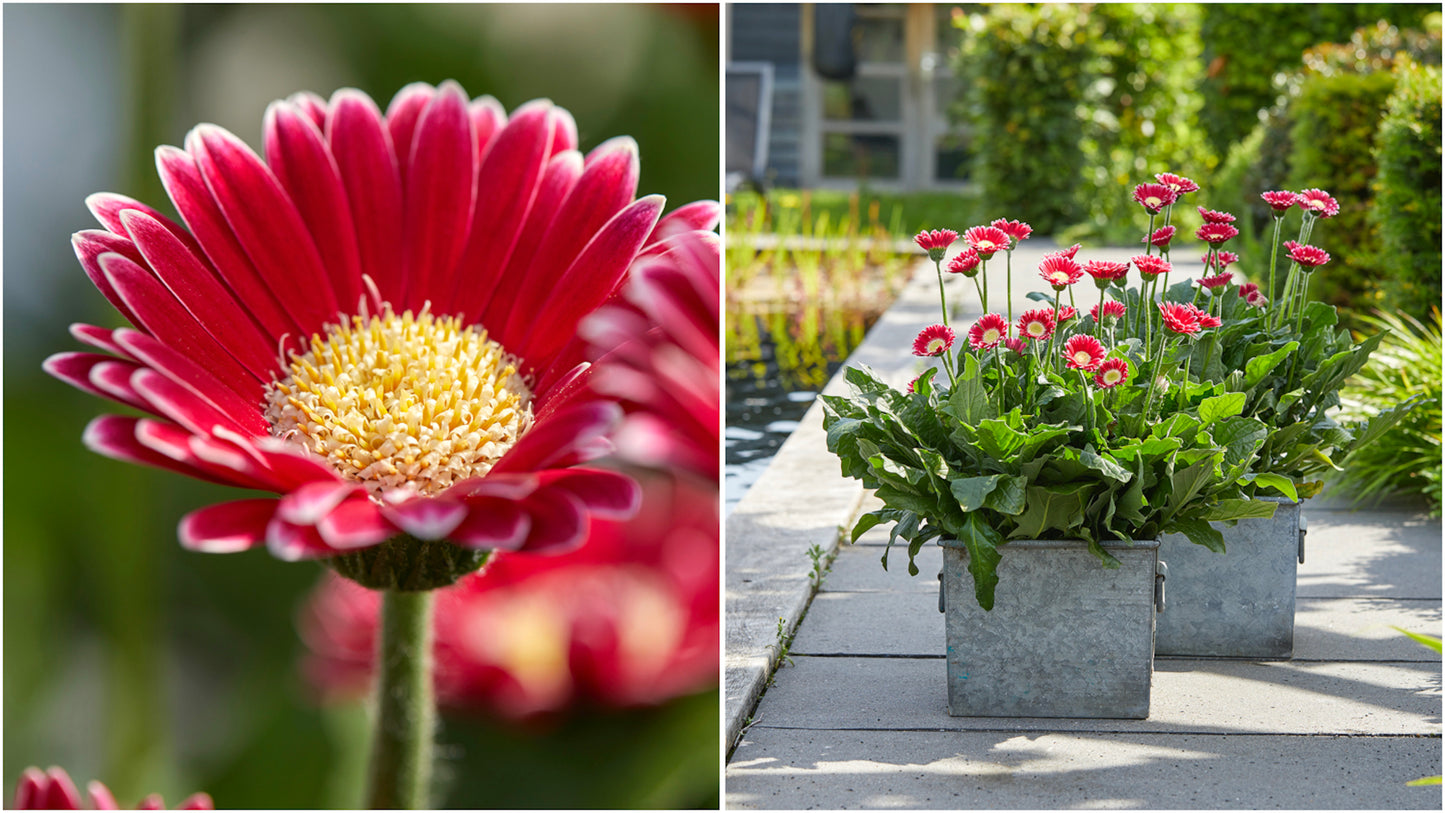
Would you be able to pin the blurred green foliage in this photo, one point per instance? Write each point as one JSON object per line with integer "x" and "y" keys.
{"x": 903, "y": 214}
{"x": 1247, "y": 46}
{"x": 131, "y": 661}
{"x": 1407, "y": 201}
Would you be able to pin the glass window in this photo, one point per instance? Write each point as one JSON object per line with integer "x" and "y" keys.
{"x": 880, "y": 39}
{"x": 860, "y": 155}
{"x": 864, "y": 98}
{"x": 951, "y": 158}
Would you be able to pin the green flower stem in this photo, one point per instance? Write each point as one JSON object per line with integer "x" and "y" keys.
{"x": 1184, "y": 374}
{"x": 1055, "y": 334}
{"x": 1072, "y": 303}
{"x": 942, "y": 302}
{"x": 978, "y": 289}
{"x": 1009, "y": 282}
{"x": 1273, "y": 254}
{"x": 401, "y": 756}
{"x": 1148, "y": 314}
{"x": 1149, "y": 238}
{"x": 1099, "y": 319}
{"x": 983, "y": 272}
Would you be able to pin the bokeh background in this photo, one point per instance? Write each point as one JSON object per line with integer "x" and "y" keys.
{"x": 131, "y": 661}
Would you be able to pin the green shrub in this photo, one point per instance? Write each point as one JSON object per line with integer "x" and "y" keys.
{"x": 1072, "y": 105}
{"x": 1408, "y": 203}
{"x": 1335, "y": 119}
{"x": 1406, "y": 460}
{"x": 1247, "y": 45}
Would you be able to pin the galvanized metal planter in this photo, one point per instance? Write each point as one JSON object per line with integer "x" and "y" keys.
{"x": 1239, "y": 604}
{"x": 1066, "y": 636}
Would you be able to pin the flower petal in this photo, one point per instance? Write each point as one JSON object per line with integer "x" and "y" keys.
{"x": 427, "y": 517}
{"x": 362, "y": 148}
{"x": 266, "y": 224}
{"x": 179, "y": 403}
{"x": 97, "y": 337}
{"x": 114, "y": 436}
{"x": 164, "y": 317}
{"x": 511, "y": 175}
{"x": 113, "y": 377}
{"x": 309, "y": 503}
{"x": 100, "y": 797}
{"x": 177, "y": 367}
{"x": 402, "y": 116}
{"x": 572, "y": 435}
{"x": 559, "y": 522}
{"x": 440, "y": 193}
{"x": 230, "y": 527}
{"x": 89, "y": 245}
{"x": 74, "y": 369}
{"x": 608, "y": 494}
{"x": 488, "y": 118}
{"x": 591, "y": 279}
{"x": 204, "y": 296}
{"x": 293, "y": 543}
{"x": 108, "y": 207}
{"x": 702, "y": 215}
{"x": 188, "y": 191}
{"x": 355, "y": 523}
{"x": 297, "y": 153}
{"x": 492, "y": 523}
{"x": 312, "y": 105}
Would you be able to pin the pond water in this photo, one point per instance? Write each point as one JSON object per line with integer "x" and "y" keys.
{"x": 779, "y": 357}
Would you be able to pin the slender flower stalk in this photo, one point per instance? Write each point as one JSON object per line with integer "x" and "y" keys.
{"x": 401, "y": 754}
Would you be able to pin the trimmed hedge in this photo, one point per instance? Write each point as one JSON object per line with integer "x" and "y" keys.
{"x": 1246, "y": 45}
{"x": 1408, "y": 202}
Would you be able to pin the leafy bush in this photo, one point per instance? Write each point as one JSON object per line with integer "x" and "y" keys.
{"x": 1408, "y": 202}
{"x": 1335, "y": 119}
{"x": 1405, "y": 460}
{"x": 1246, "y": 46}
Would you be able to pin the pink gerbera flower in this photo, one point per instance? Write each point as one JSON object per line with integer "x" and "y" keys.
{"x": 964, "y": 262}
{"x": 1216, "y": 234}
{"x": 935, "y": 242}
{"x": 1151, "y": 266}
{"x": 1216, "y": 283}
{"x": 1180, "y": 318}
{"x": 1016, "y": 229}
{"x": 1206, "y": 320}
{"x": 1060, "y": 271}
{"x": 1036, "y": 324}
{"x": 1319, "y": 202}
{"x": 1015, "y": 344}
{"x": 934, "y": 340}
{"x": 1067, "y": 253}
{"x": 1308, "y": 256}
{"x": 449, "y": 400}
{"x": 1153, "y": 197}
{"x": 1219, "y": 259}
{"x": 1112, "y": 310}
{"x": 987, "y": 332}
{"x": 1247, "y": 288}
{"x": 1280, "y": 201}
{"x": 987, "y": 240}
{"x": 1112, "y": 373}
{"x": 1178, "y": 184}
{"x": 1211, "y": 216}
{"x": 1105, "y": 272}
{"x": 53, "y": 790}
{"x": 1161, "y": 237}
{"x": 913, "y": 385}
{"x": 1256, "y": 299}
{"x": 1064, "y": 314}
{"x": 1083, "y": 353}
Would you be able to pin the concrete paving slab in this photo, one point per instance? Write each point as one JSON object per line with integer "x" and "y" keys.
{"x": 789, "y": 769}
{"x": 1197, "y": 697}
{"x": 907, "y": 623}
{"x": 1370, "y": 553}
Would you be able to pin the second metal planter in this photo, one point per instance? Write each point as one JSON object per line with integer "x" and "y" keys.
{"x": 1066, "y": 637}
{"x": 1239, "y": 604}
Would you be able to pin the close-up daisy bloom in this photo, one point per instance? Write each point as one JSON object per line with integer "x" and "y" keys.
{"x": 54, "y": 790}
{"x": 1178, "y": 184}
{"x": 1036, "y": 324}
{"x": 1216, "y": 234}
{"x": 1016, "y": 229}
{"x": 1112, "y": 373}
{"x": 1217, "y": 283}
{"x": 1105, "y": 272}
{"x": 427, "y": 386}
{"x": 964, "y": 262}
{"x": 1083, "y": 352}
{"x": 1060, "y": 272}
{"x": 935, "y": 242}
{"x": 1318, "y": 203}
{"x": 1280, "y": 201}
{"x": 1309, "y": 257}
{"x": 1180, "y": 318}
{"x": 1211, "y": 216}
{"x": 1161, "y": 237}
{"x": 988, "y": 332}
{"x": 1154, "y": 197}
{"x": 1151, "y": 266}
{"x": 1113, "y": 311}
{"x": 934, "y": 340}
{"x": 987, "y": 240}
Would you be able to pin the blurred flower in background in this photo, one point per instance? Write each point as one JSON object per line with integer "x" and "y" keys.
{"x": 163, "y": 670}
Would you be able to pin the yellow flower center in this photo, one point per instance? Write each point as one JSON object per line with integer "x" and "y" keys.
{"x": 991, "y": 335}
{"x": 1082, "y": 357}
{"x": 936, "y": 345}
{"x": 1153, "y": 202}
{"x": 1036, "y": 328}
{"x": 1112, "y": 376}
{"x": 402, "y": 401}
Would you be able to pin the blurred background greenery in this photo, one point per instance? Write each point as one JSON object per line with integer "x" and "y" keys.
{"x": 130, "y": 661}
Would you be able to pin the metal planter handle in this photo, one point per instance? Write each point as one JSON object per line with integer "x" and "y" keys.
{"x": 1161, "y": 572}
{"x": 1302, "y": 531}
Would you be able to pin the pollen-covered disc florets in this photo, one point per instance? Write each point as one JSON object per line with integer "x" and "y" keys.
{"x": 405, "y": 401}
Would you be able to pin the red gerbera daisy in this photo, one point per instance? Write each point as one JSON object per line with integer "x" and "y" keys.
{"x": 1308, "y": 256}
{"x": 1216, "y": 283}
{"x": 934, "y": 340}
{"x": 1105, "y": 272}
{"x": 1083, "y": 353}
{"x": 1151, "y": 266}
{"x": 1247, "y": 288}
{"x": 935, "y": 242}
{"x": 1319, "y": 202}
{"x": 1067, "y": 253}
{"x": 1180, "y": 318}
{"x": 913, "y": 385}
{"x": 1036, "y": 324}
{"x": 987, "y": 240}
{"x": 1014, "y": 344}
{"x": 1153, "y": 197}
{"x": 1112, "y": 373}
{"x": 1211, "y": 216}
{"x": 1064, "y": 314}
{"x": 964, "y": 262}
{"x": 1112, "y": 310}
{"x": 1216, "y": 234}
{"x": 1280, "y": 201}
{"x": 1060, "y": 271}
{"x": 450, "y": 400}
{"x": 987, "y": 332}
{"x": 1016, "y": 229}
{"x": 1206, "y": 320}
{"x": 1178, "y": 184}
{"x": 1161, "y": 237}
{"x": 53, "y": 790}
{"x": 1256, "y": 299}
{"x": 1219, "y": 259}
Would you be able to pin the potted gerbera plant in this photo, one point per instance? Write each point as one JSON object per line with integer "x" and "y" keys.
{"x": 1038, "y": 450}
{"x": 1289, "y": 358}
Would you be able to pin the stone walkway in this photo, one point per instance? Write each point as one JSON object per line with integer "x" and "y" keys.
{"x": 859, "y": 719}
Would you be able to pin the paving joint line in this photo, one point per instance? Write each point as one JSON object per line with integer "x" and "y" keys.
{"x": 922, "y": 730}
